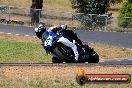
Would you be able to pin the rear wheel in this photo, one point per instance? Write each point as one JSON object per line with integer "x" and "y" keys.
{"x": 56, "y": 60}
{"x": 62, "y": 55}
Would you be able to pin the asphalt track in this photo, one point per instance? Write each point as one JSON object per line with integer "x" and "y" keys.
{"x": 63, "y": 64}
{"x": 114, "y": 38}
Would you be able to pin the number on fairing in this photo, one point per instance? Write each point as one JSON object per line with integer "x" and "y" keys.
{"x": 48, "y": 41}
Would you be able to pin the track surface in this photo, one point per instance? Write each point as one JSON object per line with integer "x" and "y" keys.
{"x": 115, "y": 38}
{"x": 110, "y": 62}
{"x": 63, "y": 64}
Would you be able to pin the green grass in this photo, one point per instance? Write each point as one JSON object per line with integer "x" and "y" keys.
{"x": 22, "y": 52}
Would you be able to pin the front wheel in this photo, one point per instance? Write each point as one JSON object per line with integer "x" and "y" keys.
{"x": 93, "y": 56}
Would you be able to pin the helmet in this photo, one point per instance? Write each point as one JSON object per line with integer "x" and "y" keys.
{"x": 39, "y": 30}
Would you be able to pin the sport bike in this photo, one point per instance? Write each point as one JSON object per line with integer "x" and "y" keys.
{"x": 62, "y": 53}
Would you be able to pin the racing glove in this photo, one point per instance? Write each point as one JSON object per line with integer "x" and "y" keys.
{"x": 48, "y": 50}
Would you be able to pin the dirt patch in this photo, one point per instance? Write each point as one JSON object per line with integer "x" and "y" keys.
{"x": 59, "y": 72}
{"x": 19, "y": 38}
{"x": 56, "y": 76}
{"x": 110, "y": 51}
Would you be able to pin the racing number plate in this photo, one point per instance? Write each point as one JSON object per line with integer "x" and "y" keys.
{"x": 48, "y": 41}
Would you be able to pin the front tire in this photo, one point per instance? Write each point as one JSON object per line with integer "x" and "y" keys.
{"x": 94, "y": 59}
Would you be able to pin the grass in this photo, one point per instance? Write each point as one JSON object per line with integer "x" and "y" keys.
{"x": 21, "y": 3}
{"x": 22, "y": 52}
{"x": 47, "y": 4}
{"x": 40, "y": 83}
{"x": 61, "y": 5}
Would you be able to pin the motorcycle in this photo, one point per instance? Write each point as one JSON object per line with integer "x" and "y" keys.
{"x": 62, "y": 53}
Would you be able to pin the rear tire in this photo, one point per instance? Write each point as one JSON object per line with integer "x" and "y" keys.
{"x": 62, "y": 57}
{"x": 56, "y": 60}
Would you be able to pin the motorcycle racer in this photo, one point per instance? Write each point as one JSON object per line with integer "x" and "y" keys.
{"x": 41, "y": 31}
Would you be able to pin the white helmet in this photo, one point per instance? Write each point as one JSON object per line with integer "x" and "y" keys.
{"x": 39, "y": 30}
